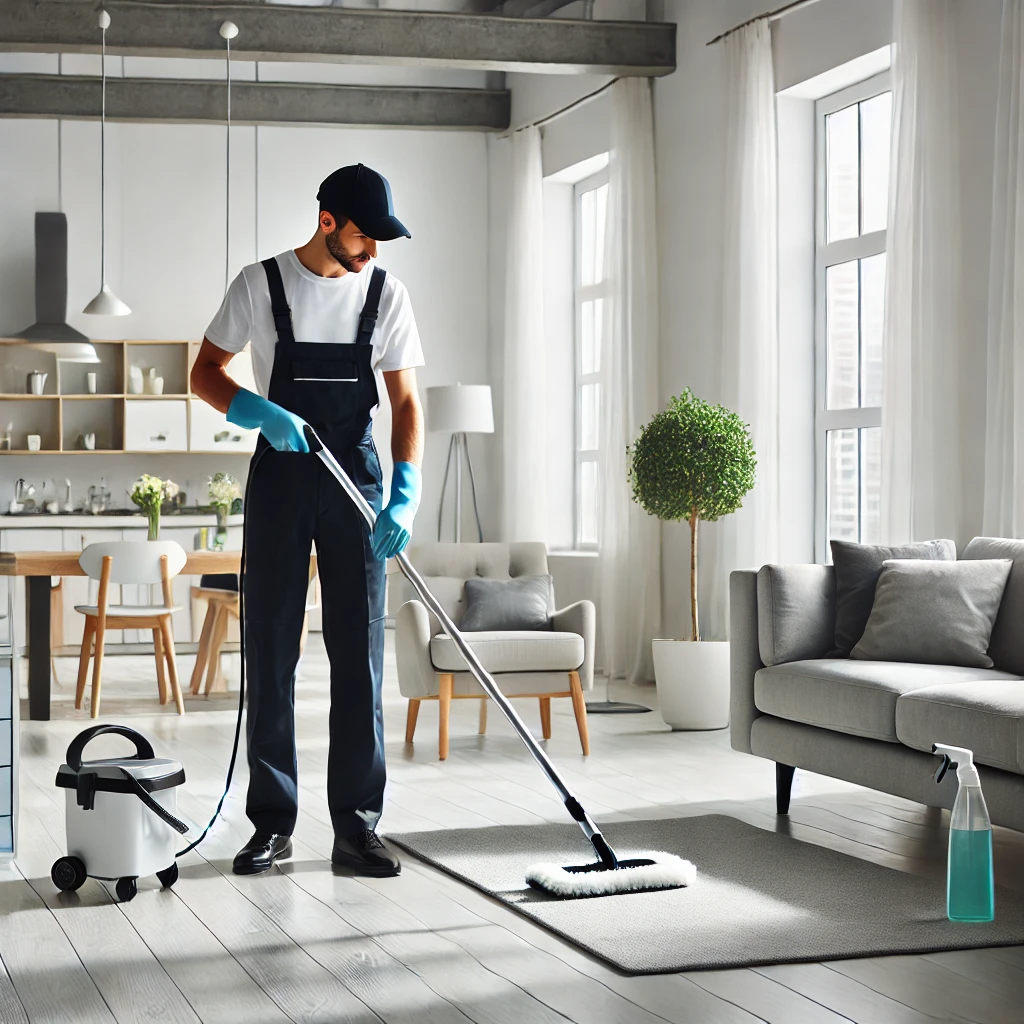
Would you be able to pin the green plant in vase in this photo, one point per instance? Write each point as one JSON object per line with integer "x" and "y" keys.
{"x": 149, "y": 493}
{"x": 224, "y": 490}
{"x": 693, "y": 461}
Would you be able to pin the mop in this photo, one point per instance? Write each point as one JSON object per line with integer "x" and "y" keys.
{"x": 651, "y": 871}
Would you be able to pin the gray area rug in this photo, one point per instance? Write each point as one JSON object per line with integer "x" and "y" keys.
{"x": 760, "y": 897}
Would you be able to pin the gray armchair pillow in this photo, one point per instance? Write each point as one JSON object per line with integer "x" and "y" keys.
{"x": 857, "y": 568}
{"x": 935, "y": 612}
{"x": 517, "y": 604}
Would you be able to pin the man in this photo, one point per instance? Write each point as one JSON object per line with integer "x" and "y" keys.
{"x": 324, "y": 323}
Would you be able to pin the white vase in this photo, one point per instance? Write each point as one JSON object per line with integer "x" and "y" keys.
{"x": 693, "y": 683}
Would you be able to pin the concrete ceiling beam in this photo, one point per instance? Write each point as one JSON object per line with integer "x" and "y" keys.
{"x": 204, "y": 102}
{"x": 339, "y": 35}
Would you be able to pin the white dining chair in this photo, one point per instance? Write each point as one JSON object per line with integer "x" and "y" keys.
{"x": 139, "y": 562}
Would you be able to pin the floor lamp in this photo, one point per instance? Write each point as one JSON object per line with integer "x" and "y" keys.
{"x": 459, "y": 409}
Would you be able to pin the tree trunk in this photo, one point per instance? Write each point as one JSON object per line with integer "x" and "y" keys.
{"x": 694, "y": 628}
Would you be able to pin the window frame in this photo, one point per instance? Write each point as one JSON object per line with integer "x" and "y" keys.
{"x": 828, "y": 254}
{"x": 583, "y": 293}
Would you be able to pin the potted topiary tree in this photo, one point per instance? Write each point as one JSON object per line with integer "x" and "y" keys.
{"x": 694, "y": 461}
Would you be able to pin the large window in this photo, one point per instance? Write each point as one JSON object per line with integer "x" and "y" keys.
{"x": 590, "y": 289}
{"x": 852, "y": 201}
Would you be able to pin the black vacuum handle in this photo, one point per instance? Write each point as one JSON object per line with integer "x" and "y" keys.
{"x": 143, "y": 748}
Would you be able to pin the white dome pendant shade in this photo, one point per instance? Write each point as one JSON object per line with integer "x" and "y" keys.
{"x": 106, "y": 303}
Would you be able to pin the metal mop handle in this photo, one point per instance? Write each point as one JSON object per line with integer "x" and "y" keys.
{"x": 482, "y": 676}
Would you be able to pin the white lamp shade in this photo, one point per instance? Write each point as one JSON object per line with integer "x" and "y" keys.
{"x": 106, "y": 303}
{"x": 69, "y": 351}
{"x": 460, "y": 409}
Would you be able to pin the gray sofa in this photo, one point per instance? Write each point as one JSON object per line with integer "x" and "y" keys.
{"x": 873, "y": 722}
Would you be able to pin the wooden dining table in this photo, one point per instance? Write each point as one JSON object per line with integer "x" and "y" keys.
{"x": 37, "y": 567}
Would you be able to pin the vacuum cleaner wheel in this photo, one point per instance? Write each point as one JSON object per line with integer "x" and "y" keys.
{"x": 168, "y": 876}
{"x": 126, "y": 889}
{"x": 68, "y": 874}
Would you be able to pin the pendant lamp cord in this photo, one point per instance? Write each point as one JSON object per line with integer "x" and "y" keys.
{"x": 227, "y": 180}
{"x": 103, "y": 156}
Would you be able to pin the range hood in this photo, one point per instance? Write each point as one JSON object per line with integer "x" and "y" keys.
{"x": 50, "y": 332}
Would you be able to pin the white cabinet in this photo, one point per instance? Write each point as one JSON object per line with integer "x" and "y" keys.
{"x": 155, "y": 425}
{"x": 26, "y": 540}
{"x": 210, "y": 431}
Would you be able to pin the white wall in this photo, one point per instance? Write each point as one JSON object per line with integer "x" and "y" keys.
{"x": 165, "y": 218}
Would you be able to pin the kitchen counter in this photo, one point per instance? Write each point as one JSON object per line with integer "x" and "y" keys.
{"x": 86, "y": 521}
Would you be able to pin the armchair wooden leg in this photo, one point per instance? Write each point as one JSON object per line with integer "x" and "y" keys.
{"x": 545, "y": 717}
{"x": 161, "y": 675}
{"x": 97, "y": 668}
{"x": 172, "y": 665}
{"x": 483, "y": 716}
{"x": 410, "y": 720}
{"x": 580, "y": 709}
{"x": 204, "y": 648}
{"x": 83, "y": 660}
{"x": 444, "y": 702}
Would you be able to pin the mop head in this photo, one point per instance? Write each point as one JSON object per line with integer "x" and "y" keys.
{"x": 649, "y": 872}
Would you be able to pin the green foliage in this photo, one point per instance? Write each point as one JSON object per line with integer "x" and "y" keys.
{"x": 693, "y": 458}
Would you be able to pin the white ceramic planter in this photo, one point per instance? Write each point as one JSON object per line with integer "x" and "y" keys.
{"x": 693, "y": 683}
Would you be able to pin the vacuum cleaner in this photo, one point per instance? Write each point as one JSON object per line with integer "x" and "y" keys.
{"x": 120, "y": 811}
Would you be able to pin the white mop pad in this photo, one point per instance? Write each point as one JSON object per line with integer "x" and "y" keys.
{"x": 655, "y": 871}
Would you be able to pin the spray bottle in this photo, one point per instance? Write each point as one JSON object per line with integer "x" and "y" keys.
{"x": 969, "y": 884}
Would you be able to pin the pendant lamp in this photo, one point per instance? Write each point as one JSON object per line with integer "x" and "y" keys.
{"x": 106, "y": 302}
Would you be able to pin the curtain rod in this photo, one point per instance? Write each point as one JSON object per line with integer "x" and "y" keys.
{"x": 778, "y": 13}
{"x": 561, "y": 110}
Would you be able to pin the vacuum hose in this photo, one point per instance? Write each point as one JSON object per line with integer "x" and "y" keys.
{"x": 482, "y": 676}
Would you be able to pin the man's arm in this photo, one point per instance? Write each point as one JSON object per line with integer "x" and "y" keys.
{"x": 210, "y": 380}
{"x": 406, "y": 416}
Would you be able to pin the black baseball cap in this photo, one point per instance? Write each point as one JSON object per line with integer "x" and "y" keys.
{"x": 364, "y": 197}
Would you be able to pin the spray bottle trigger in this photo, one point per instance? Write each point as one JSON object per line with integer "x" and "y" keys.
{"x": 944, "y": 767}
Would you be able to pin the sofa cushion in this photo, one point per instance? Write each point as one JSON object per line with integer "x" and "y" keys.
{"x": 984, "y": 715}
{"x": 939, "y": 613}
{"x": 512, "y": 651}
{"x": 857, "y": 568}
{"x": 503, "y": 605}
{"x": 796, "y": 612}
{"x": 855, "y": 697}
{"x": 1006, "y": 648}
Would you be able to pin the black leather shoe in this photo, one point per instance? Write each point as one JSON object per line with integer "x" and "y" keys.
{"x": 365, "y": 854}
{"x": 260, "y": 853}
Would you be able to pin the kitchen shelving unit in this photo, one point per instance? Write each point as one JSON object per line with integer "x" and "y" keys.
{"x": 175, "y": 422}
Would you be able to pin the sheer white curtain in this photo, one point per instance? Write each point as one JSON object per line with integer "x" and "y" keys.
{"x": 525, "y": 398}
{"x": 750, "y": 334}
{"x": 629, "y": 540}
{"x": 1004, "y": 428}
{"x": 920, "y": 408}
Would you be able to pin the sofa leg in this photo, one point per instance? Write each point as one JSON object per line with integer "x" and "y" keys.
{"x": 783, "y": 787}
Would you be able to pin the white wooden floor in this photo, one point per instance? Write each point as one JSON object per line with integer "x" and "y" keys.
{"x": 300, "y": 944}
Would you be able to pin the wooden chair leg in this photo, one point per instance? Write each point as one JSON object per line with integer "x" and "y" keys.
{"x": 161, "y": 675}
{"x": 580, "y": 709}
{"x": 410, "y": 720}
{"x": 172, "y": 665}
{"x": 97, "y": 669}
{"x": 304, "y": 634}
{"x": 83, "y": 660}
{"x": 204, "y": 647}
{"x": 444, "y": 701}
{"x": 545, "y": 717}
{"x": 483, "y": 716}
{"x": 220, "y": 631}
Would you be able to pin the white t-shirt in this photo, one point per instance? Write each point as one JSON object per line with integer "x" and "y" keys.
{"x": 323, "y": 309}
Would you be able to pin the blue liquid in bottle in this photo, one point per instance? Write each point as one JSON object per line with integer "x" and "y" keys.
{"x": 969, "y": 887}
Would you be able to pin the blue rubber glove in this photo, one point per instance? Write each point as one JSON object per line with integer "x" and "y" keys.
{"x": 283, "y": 429}
{"x": 394, "y": 525}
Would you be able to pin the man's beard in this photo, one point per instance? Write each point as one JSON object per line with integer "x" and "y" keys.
{"x": 353, "y": 262}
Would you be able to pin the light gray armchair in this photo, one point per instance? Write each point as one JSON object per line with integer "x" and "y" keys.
{"x": 542, "y": 663}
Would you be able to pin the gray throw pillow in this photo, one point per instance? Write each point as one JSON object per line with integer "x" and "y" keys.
{"x": 935, "y": 613}
{"x": 520, "y": 603}
{"x": 857, "y": 567}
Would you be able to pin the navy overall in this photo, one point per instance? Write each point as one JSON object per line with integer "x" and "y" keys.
{"x": 292, "y": 503}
